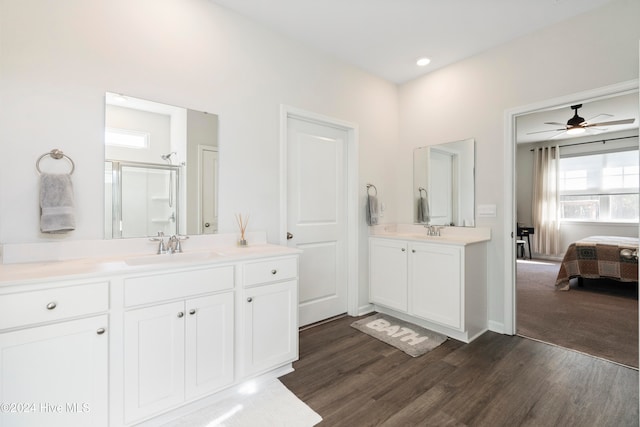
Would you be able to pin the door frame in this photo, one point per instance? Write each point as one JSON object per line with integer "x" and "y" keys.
{"x": 509, "y": 308}
{"x": 352, "y": 178}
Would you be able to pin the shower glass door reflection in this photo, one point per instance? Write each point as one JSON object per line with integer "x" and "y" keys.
{"x": 145, "y": 199}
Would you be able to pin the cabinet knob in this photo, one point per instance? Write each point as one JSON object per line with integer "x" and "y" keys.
{"x": 274, "y": 271}
{"x": 180, "y": 314}
{"x": 249, "y": 299}
{"x": 413, "y": 250}
{"x": 51, "y": 305}
{"x": 192, "y": 311}
{"x": 403, "y": 249}
{"x": 207, "y": 225}
{"x": 100, "y": 331}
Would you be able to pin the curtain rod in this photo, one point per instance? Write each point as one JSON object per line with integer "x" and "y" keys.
{"x": 604, "y": 141}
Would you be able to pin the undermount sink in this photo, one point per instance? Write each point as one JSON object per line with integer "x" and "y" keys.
{"x": 171, "y": 258}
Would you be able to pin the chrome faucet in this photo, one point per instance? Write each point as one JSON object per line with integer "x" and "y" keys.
{"x": 161, "y": 247}
{"x": 173, "y": 244}
{"x": 432, "y": 230}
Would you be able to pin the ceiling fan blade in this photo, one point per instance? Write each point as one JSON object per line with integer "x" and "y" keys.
{"x": 601, "y": 114}
{"x": 557, "y": 135}
{"x": 543, "y": 131}
{"x": 555, "y": 123}
{"x": 611, "y": 123}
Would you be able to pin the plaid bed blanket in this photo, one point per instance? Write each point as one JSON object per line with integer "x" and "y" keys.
{"x": 598, "y": 257}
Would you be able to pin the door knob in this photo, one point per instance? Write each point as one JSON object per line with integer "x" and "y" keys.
{"x": 289, "y": 236}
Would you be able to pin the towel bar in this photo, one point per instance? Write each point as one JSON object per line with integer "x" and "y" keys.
{"x": 56, "y": 154}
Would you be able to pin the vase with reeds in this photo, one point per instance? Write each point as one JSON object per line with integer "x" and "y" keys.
{"x": 242, "y": 224}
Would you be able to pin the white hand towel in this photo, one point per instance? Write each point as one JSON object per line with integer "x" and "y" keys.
{"x": 56, "y": 203}
{"x": 423, "y": 210}
{"x": 372, "y": 210}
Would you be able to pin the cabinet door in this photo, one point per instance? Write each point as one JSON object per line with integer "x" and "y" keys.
{"x": 388, "y": 273}
{"x": 209, "y": 344}
{"x": 55, "y": 375}
{"x": 153, "y": 359}
{"x": 435, "y": 284}
{"x": 270, "y": 326}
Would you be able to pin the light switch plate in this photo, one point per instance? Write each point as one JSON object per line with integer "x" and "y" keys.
{"x": 487, "y": 211}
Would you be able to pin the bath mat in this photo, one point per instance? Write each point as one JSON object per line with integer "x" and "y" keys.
{"x": 412, "y": 339}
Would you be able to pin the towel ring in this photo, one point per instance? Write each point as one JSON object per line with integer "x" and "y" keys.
{"x": 420, "y": 190}
{"x": 56, "y": 154}
{"x": 374, "y": 188}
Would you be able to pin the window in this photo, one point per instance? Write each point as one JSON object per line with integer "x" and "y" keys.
{"x": 600, "y": 187}
{"x": 126, "y": 138}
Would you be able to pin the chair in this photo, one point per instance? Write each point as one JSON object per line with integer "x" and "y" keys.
{"x": 520, "y": 248}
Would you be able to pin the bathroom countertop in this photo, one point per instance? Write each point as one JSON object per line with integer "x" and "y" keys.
{"x": 98, "y": 267}
{"x": 449, "y": 235}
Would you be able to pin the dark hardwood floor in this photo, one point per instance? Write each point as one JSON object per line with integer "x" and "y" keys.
{"x": 353, "y": 380}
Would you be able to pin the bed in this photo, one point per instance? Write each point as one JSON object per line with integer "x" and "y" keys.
{"x": 599, "y": 257}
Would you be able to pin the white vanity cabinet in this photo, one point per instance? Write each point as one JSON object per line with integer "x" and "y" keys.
{"x": 108, "y": 342}
{"x": 270, "y": 314}
{"x": 441, "y": 286}
{"x": 54, "y": 355}
{"x": 179, "y": 350}
{"x": 388, "y": 273}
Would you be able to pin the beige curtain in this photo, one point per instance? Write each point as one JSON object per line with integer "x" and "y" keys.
{"x": 546, "y": 216}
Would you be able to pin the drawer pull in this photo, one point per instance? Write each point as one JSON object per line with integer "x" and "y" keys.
{"x": 249, "y": 299}
{"x": 51, "y": 305}
{"x": 180, "y": 314}
{"x": 192, "y": 311}
{"x": 100, "y": 331}
{"x": 274, "y": 271}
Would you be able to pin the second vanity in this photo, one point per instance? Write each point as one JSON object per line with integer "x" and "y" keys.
{"x": 139, "y": 340}
{"x": 438, "y": 282}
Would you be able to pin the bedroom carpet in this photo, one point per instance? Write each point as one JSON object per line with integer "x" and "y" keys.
{"x": 599, "y": 318}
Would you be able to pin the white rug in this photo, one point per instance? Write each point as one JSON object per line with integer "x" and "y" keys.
{"x": 271, "y": 405}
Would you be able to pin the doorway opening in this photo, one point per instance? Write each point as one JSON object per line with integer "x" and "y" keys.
{"x": 517, "y": 215}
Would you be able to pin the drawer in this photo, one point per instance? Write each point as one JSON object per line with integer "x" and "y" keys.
{"x": 181, "y": 284}
{"x": 27, "y": 308}
{"x": 270, "y": 271}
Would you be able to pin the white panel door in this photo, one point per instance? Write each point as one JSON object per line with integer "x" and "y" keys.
{"x": 440, "y": 186}
{"x": 208, "y": 177}
{"x": 316, "y": 216}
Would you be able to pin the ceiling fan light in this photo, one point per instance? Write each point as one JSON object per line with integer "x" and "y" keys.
{"x": 575, "y": 131}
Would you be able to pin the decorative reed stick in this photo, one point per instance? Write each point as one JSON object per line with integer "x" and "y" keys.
{"x": 242, "y": 223}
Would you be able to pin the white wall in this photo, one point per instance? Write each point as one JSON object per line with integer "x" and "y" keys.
{"x": 58, "y": 59}
{"x": 469, "y": 99}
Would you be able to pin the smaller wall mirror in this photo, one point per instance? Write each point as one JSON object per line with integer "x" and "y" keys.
{"x": 161, "y": 169}
{"x": 444, "y": 184}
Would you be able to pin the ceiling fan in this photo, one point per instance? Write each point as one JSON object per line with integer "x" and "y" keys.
{"x": 577, "y": 125}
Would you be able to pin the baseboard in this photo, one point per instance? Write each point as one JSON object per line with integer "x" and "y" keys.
{"x": 366, "y": 309}
{"x": 497, "y": 327}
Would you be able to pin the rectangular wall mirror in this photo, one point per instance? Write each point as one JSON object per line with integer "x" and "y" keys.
{"x": 444, "y": 184}
{"x": 161, "y": 169}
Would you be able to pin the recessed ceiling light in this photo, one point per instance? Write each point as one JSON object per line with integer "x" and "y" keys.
{"x": 423, "y": 62}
